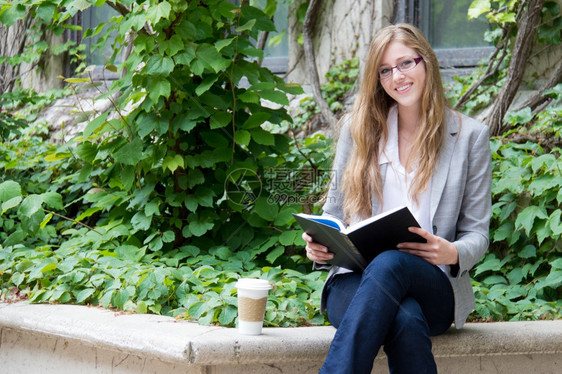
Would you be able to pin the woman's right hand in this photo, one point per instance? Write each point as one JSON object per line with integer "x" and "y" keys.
{"x": 315, "y": 251}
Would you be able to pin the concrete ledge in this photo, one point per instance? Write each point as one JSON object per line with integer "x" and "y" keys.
{"x": 69, "y": 339}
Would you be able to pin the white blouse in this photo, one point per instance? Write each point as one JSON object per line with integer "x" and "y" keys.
{"x": 397, "y": 182}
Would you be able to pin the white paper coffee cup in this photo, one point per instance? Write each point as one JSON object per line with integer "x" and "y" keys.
{"x": 252, "y": 298}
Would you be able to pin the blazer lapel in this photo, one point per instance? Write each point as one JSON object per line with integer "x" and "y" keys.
{"x": 442, "y": 168}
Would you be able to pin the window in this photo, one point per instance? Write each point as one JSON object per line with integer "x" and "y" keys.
{"x": 91, "y": 18}
{"x": 457, "y": 41}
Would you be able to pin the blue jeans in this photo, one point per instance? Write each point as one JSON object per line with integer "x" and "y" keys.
{"x": 398, "y": 302}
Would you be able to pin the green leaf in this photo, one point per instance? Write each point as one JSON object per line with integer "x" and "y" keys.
{"x": 529, "y": 251}
{"x": 525, "y": 115}
{"x": 173, "y": 162}
{"x": 543, "y": 183}
{"x": 94, "y": 125}
{"x": 526, "y": 218}
{"x": 8, "y": 190}
{"x": 183, "y": 124}
{"x": 129, "y": 253}
{"x": 227, "y": 315}
{"x": 206, "y": 84}
{"x": 140, "y": 221}
{"x": 288, "y": 237}
{"x": 494, "y": 279}
{"x": 128, "y": 175}
{"x": 185, "y": 57}
{"x": 275, "y": 254}
{"x": 224, "y": 43}
{"x": 200, "y": 227}
{"x": 159, "y": 87}
{"x": 503, "y": 232}
{"x": 263, "y": 22}
{"x": 30, "y": 205}
{"x": 490, "y": 263}
{"x": 277, "y": 97}
{"x": 242, "y": 137}
{"x": 209, "y": 55}
{"x": 159, "y": 11}
{"x": 11, "y": 13}
{"x": 14, "y": 238}
{"x": 120, "y": 298}
{"x": 84, "y": 294}
{"x": 478, "y": 7}
{"x": 555, "y": 222}
{"x": 515, "y": 276}
{"x": 45, "y": 11}
{"x": 53, "y": 200}
{"x": 87, "y": 151}
{"x": 554, "y": 280}
{"x": 266, "y": 210}
{"x": 220, "y": 119}
{"x": 130, "y": 153}
{"x": 158, "y": 65}
{"x": 292, "y": 88}
{"x": 12, "y": 203}
{"x": 81, "y": 5}
{"x": 557, "y": 264}
{"x": 76, "y": 80}
{"x": 168, "y": 236}
{"x": 256, "y": 120}
{"x": 507, "y": 17}
{"x": 17, "y": 278}
{"x": 173, "y": 45}
{"x": 247, "y": 26}
{"x": 263, "y": 137}
{"x": 222, "y": 252}
{"x": 249, "y": 97}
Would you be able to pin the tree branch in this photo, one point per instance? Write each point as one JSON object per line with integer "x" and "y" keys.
{"x": 537, "y": 99}
{"x": 308, "y": 32}
{"x": 493, "y": 66}
{"x": 261, "y": 43}
{"x": 521, "y": 51}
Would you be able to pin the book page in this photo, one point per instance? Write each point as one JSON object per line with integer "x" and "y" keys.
{"x": 326, "y": 220}
{"x": 357, "y": 225}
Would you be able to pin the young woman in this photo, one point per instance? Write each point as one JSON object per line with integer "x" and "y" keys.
{"x": 402, "y": 145}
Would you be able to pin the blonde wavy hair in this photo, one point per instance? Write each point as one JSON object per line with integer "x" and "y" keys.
{"x": 362, "y": 178}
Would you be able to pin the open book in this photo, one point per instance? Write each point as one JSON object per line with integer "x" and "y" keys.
{"x": 354, "y": 247}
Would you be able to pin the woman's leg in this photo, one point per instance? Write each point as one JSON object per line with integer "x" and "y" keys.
{"x": 407, "y": 345}
{"x": 366, "y": 325}
{"x": 341, "y": 289}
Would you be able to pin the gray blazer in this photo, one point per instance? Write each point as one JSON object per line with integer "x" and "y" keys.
{"x": 460, "y": 199}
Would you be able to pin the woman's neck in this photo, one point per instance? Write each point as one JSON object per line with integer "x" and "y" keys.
{"x": 408, "y": 127}
{"x": 408, "y": 121}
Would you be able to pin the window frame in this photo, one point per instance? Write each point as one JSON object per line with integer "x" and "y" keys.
{"x": 453, "y": 61}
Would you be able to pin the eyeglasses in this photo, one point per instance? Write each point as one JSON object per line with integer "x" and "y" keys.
{"x": 403, "y": 67}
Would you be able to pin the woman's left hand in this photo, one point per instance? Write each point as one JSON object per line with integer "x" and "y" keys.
{"x": 436, "y": 251}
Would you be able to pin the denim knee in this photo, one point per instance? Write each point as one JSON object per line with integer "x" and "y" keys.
{"x": 391, "y": 263}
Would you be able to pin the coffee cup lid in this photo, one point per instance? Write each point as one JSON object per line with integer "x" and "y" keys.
{"x": 253, "y": 283}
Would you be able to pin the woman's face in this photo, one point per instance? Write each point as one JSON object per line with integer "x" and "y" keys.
{"x": 406, "y": 87}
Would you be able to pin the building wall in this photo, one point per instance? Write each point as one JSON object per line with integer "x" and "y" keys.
{"x": 542, "y": 62}
{"x": 344, "y": 30}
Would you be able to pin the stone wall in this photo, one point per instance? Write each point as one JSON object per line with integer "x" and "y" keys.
{"x": 542, "y": 62}
{"x": 69, "y": 339}
{"x": 344, "y": 30}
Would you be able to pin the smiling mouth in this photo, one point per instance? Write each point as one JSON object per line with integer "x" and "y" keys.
{"x": 404, "y": 88}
